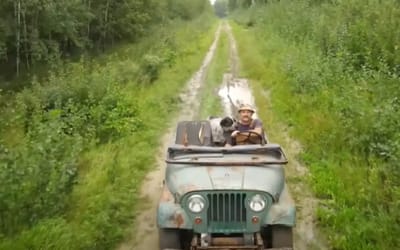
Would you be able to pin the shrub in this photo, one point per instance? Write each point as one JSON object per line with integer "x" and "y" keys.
{"x": 151, "y": 66}
{"x": 335, "y": 70}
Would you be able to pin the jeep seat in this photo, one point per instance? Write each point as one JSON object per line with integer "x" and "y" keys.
{"x": 194, "y": 133}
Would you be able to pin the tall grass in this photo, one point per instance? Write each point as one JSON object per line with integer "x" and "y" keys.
{"x": 332, "y": 71}
{"x": 74, "y": 147}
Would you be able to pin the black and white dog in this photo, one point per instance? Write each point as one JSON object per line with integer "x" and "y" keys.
{"x": 221, "y": 128}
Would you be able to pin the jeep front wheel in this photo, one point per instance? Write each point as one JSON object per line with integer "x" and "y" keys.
{"x": 169, "y": 239}
{"x": 282, "y": 236}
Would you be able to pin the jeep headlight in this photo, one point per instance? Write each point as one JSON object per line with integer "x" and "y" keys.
{"x": 257, "y": 203}
{"x": 196, "y": 203}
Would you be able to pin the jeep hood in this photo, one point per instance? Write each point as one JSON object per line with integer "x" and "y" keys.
{"x": 182, "y": 178}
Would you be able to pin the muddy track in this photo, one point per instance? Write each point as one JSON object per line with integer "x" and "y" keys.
{"x": 233, "y": 91}
{"x": 236, "y": 90}
{"x": 144, "y": 234}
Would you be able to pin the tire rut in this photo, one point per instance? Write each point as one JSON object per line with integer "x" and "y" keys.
{"x": 144, "y": 235}
{"x": 233, "y": 91}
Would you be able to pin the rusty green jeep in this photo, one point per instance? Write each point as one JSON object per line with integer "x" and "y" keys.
{"x": 223, "y": 197}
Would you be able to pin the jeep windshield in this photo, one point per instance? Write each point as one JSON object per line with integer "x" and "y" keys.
{"x": 236, "y": 155}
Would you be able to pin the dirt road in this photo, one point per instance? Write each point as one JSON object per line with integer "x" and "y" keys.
{"x": 236, "y": 90}
{"x": 145, "y": 233}
{"x": 233, "y": 91}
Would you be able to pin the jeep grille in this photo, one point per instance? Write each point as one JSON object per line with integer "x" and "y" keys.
{"x": 226, "y": 212}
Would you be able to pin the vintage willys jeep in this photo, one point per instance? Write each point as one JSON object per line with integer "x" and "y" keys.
{"x": 223, "y": 197}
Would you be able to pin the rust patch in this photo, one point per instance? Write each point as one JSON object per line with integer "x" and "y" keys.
{"x": 187, "y": 188}
{"x": 237, "y": 169}
{"x": 210, "y": 169}
{"x": 166, "y": 195}
{"x": 178, "y": 220}
{"x": 185, "y": 139}
{"x": 227, "y": 241}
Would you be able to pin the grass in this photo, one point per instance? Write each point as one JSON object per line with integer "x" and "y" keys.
{"x": 106, "y": 194}
{"x": 329, "y": 105}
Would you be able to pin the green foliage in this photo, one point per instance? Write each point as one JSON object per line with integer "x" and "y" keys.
{"x": 187, "y": 9}
{"x": 333, "y": 67}
{"x": 38, "y": 32}
{"x": 151, "y": 67}
{"x": 221, "y": 8}
{"x": 75, "y": 146}
{"x": 59, "y": 119}
{"x": 238, "y": 4}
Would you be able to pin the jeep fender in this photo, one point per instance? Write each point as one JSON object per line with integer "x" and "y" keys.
{"x": 171, "y": 214}
{"x": 282, "y": 212}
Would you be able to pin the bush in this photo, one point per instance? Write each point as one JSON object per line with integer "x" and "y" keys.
{"x": 151, "y": 66}
{"x": 59, "y": 119}
{"x": 74, "y": 147}
{"x": 332, "y": 72}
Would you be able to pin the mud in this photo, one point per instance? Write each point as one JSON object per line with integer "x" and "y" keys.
{"x": 234, "y": 92}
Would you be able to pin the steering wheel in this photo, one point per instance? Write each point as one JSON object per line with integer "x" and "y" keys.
{"x": 247, "y": 137}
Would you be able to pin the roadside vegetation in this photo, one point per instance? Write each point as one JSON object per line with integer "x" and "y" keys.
{"x": 35, "y": 33}
{"x": 331, "y": 69}
{"x": 76, "y": 144}
{"x": 210, "y": 101}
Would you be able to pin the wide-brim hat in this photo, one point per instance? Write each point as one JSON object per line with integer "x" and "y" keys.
{"x": 246, "y": 107}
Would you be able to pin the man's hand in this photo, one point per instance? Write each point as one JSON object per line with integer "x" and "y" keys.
{"x": 234, "y": 133}
{"x": 257, "y": 130}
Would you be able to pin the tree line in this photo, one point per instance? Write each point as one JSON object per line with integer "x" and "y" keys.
{"x": 37, "y": 31}
{"x": 53, "y": 130}
{"x": 223, "y": 7}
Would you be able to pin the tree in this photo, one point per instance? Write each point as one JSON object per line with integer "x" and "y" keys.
{"x": 221, "y": 8}
{"x": 37, "y": 31}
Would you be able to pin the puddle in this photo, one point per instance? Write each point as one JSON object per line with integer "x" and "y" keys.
{"x": 234, "y": 92}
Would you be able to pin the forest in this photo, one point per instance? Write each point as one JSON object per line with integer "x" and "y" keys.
{"x": 85, "y": 87}
{"x": 35, "y": 31}
{"x": 79, "y": 81}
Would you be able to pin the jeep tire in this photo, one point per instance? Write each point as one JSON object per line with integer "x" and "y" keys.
{"x": 282, "y": 236}
{"x": 169, "y": 239}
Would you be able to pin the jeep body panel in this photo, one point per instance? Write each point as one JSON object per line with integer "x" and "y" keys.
{"x": 171, "y": 214}
{"x": 182, "y": 179}
{"x": 227, "y": 197}
{"x": 202, "y": 169}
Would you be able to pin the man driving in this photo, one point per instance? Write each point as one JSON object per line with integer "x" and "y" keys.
{"x": 247, "y": 130}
